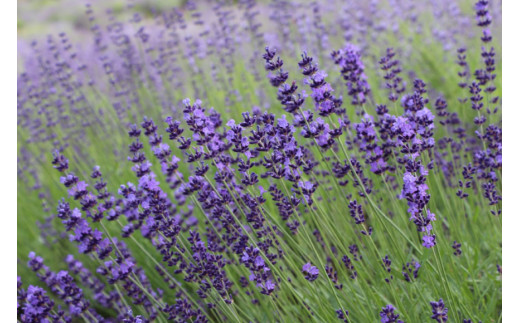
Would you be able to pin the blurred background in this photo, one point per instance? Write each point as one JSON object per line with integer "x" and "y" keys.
{"x": 37, "y": 17}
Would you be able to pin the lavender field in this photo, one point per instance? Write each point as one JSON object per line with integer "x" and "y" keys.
{"x": 259, "y": 161}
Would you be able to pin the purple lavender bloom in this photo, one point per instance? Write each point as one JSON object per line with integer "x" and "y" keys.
{"x": 173, "y": 129}
{"x": 90, "y": 281}
{"x": 129, "y": 318}
{"x": 307, "y": 189}
{"x": 415, "y": 135}
{"x": 38, "y": 306}
{"x": 79, "y": 190}
{"x": 482, "y": 14}
{"x": 356, "y": 212}
{"x": 325, "y": 102}
{"x": 387, "y": 265}
{"x": 311, "y": 272}
{"x": 333, "y": 275}
{"x": 342, "y": 315}
{"x": 411, "y": 269}
{"x": 270, "y": 65}
{"x": 393, "y": 82}
{"x": 352, "y": 69}
{"x": 69, "y": 180}
{"x": 388, "y": 315}
{"x": 367, "y": 140}
{"x": 456, "y": 247}
{"x": 35, "y": 262}
{"x": 267, "y": 287}
{"x": 287, "y": 95}
{"x": 429, "y": 241}
{"x": 60, "y": 162}
{"x": 440, "y": 311}
{"x": 21, "y": 296}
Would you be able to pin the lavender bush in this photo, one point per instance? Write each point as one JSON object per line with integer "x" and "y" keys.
{"x": 263, "y": 162}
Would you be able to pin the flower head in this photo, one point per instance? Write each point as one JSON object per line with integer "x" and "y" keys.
{"x": 311, "y": 272}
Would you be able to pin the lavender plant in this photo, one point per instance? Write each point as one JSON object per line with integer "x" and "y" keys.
{"x": 322, "y": 161}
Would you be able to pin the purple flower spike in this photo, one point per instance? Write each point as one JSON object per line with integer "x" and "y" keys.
{"x": 388, "y": 315}
{"x": 456, "y": 247}
{"x": 429, "y": 241}
{"x": 440, "y": 311}
{"x": 38, "y": 305}
{"x": 60, "y": 162}
{"x": 311, "y": 272}
{"x": 352, "y": 69}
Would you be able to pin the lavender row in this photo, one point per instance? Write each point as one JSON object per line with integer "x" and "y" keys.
{"x": 321, "y": 206}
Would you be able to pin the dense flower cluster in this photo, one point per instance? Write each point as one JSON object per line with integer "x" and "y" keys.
{"x": 269, "y": 198}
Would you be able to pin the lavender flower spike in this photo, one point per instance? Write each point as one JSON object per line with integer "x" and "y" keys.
{"x": 310, "y": 271}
